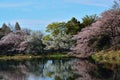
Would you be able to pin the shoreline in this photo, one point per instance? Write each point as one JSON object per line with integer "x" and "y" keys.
{"x": 28, "y": 57}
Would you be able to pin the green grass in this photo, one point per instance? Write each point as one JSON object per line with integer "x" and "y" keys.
{"x": 30, "y": 56}
{"x": 112, "y": 57}
{"x": 57, "y": 55}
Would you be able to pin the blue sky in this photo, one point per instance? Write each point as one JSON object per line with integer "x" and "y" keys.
{"x": 37, "y": 14}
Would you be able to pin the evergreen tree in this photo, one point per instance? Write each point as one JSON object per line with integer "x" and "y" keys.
{"x": 73, "y": 26}
{"x": 5, "y": 29}
{"x": 88, "y": 20}
{"x": 17, "y": 26}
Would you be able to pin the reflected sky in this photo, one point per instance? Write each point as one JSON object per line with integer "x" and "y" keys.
{"x": 65, "y": 69}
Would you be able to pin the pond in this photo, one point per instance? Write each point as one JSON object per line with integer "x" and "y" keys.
{"x": 62, "y": 69}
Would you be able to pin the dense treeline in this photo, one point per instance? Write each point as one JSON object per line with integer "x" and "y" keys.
{"x": 14, "y": 39}
{"x": 60, "y": 37}
{"x": 17, "y": 40}
{"x": 83, "y": 38}
{"x": 104, "y": 34}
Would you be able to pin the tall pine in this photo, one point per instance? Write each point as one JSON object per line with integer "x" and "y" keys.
{"x": 17, "y": 26}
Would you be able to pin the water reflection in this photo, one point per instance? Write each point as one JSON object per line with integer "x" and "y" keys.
{"x": 66, "y": 69}
{"x": 36, "y": 70}
{"x": 92, "y": 71}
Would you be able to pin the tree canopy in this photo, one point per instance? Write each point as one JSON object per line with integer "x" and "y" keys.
{"x": 55, "y": 28}
{"x": 88, "y": 20}
{"x": 73, "y": 26}
{"x": 116, "y": 5}
{"x": 17, "y": 26}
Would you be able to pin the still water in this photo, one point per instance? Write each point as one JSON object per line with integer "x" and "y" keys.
{"x": 62, "y": 69}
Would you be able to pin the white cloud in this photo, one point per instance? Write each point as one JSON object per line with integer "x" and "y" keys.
{"x": 101, "y": 3}
{"x": 14, "y": 4}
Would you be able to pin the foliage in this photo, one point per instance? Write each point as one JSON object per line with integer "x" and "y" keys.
{"x": 17, "y": 26}
{"x": 111, "y": 20}
{"x": 5, "y": 29}
{"x": 103, "y": 42}
{"x": 47, "y": 38}
{"x": 73, "y": 26}
{"x": 116, "y": 5}
{"x": 56, "y": 28}
{"x": 20, "y": 40}
{"x": 103, "y": 34}
{"x": 86, "y": 40}
{"x": 59, "y": 38}
{"x": 60, "y": 42}
{"x": 35, "y": 42}
{"x": 107, "y": 56}
{"x": 12, "y": 43}
{"x": 88, "y": 20}
{"x": 89, "y": 39}
{"x": 27, "y": 31}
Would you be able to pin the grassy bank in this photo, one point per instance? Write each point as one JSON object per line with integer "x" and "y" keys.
{"x": 29, "y": 56}
{"x": 112, "y": 57}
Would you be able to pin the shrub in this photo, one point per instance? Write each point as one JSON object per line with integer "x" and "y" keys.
{"x": 103, "y": 42}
